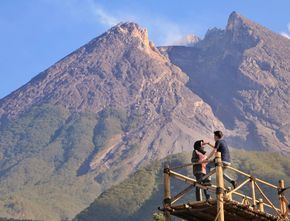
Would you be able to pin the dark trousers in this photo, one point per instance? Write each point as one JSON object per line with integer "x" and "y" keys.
{"x": 198, "y": 194}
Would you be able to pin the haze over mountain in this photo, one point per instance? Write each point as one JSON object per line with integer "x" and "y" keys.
{"x": 188, "y": 40}
{"x": 118, "y": 102}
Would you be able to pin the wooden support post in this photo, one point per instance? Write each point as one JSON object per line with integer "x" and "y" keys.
{"x": 220, "y": 186}
{"x": 253, "y": 192}
{"x": 283, "y": 205}
{"x": 167, "y": 195}
{"x": 229, "y": 195}
{"x": 261, "y": 205}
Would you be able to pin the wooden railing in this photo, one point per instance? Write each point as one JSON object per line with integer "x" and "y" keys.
{"x": 226, "y": 194}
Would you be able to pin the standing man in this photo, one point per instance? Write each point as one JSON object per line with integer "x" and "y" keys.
{"x": 221, "y": 146}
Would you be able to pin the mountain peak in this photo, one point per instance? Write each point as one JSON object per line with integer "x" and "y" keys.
{"x": 243, "y": 31}
{"x": 235, "y": 15}
{"x": 131, "y": 29}
{"x": 236, "y": 21}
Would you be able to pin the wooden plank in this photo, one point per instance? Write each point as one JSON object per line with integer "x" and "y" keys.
{"x": 203, "y": 211}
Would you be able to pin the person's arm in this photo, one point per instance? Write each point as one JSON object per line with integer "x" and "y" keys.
{"x": 208, "y": 143}
{"x": 212, "y": 146}
{"x": 211, "y": 153}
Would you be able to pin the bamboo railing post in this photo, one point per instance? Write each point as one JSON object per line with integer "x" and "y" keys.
{"x": 261, "y": 205}
{"x": 253, "y": 192}
{"x": 230, "y": 195}
{"x": 167, "y": 194}
{"x": 220, "y": 186}
{"x": 283, "y": 205}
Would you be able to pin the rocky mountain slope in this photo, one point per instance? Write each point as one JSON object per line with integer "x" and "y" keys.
{"x": 90, "y": 120}
{"x": 243, "y": 72}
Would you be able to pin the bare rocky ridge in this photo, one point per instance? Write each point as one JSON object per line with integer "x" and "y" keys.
{"x": 243, "y": 72}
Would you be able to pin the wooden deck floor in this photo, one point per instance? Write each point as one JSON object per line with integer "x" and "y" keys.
{"x": 206, "y": 211}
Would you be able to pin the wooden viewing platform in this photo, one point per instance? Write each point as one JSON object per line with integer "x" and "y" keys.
{"x": 224, "y": 207}
{"x": 206, "y": 211}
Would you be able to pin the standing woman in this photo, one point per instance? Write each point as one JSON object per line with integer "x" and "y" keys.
{"x": 199, "y": 167}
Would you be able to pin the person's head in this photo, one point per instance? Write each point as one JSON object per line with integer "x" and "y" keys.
{"x": 199, "y": 147}
{"x": 218, "y": 135}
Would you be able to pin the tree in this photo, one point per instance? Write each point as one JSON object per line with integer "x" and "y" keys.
{"x": 158, "y": 217}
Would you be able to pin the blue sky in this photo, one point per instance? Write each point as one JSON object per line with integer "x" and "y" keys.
{"x": 37, "y": 33}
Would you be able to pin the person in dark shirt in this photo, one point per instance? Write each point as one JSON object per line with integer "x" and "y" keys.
{"x": 221, "y": 146}
{"x": 199, "y": 167}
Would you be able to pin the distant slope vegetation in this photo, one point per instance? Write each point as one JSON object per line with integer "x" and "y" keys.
{"x": 5, "y": 219}
{"x": 45, "y": 161}
{"x": 40, "y": 157}
{"x": 138, "y": 197}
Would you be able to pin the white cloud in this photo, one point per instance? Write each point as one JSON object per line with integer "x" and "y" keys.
{"x": 104, "y": 17}
{"x": 187, "y": 40}
{"x": 284, "y": 34}
{"x": 167, "y": 31}
{"x": 88, "y": 11}
{"x": 162, "y": 30}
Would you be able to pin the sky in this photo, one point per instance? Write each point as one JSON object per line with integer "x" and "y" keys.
{"x": 35, "y": 34}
